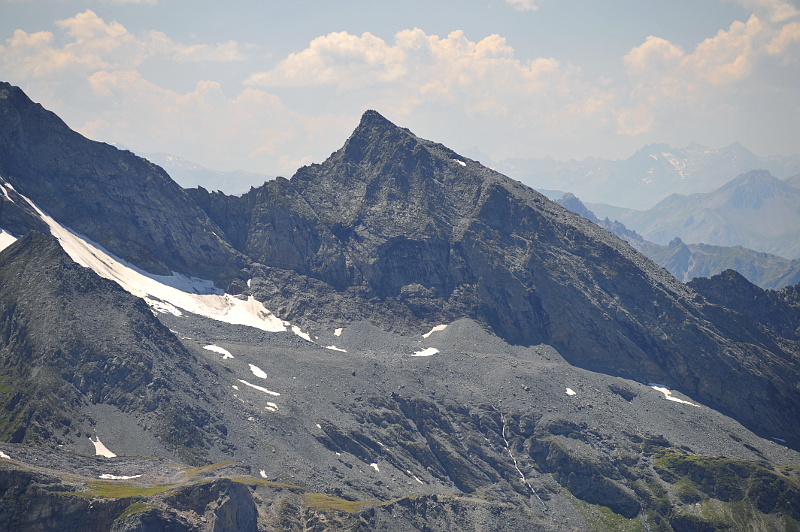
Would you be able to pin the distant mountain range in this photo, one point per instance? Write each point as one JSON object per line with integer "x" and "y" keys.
{"x": 189, "y": 174}
{"x": 689, "y": 261}
{"x": 755, "y": 210}
{"x": 648, "y": 176}
{"x": 397, "y": 338}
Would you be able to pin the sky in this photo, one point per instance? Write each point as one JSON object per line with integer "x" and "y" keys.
{"x": 269, "y": 86}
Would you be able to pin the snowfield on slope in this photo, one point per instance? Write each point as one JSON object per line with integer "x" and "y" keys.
{"x": 167, "y": 293}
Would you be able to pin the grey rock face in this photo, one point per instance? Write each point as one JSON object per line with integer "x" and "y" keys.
{"x": 122, "y": 201}
{"x": 406, "y": 233}
{"x": 70, "y": 340}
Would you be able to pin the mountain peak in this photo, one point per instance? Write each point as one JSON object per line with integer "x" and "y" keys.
{"x": 372, "y": 118}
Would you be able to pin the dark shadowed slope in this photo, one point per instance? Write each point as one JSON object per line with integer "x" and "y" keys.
{"x": 70, "y": 340}
{"x": 122, "y": 201}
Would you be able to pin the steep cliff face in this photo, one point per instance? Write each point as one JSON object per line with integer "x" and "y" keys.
{"x": 122, "y": 201}
{"x": 775, "y": 310}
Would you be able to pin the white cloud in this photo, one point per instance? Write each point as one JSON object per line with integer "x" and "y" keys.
{"x": 252, "y": 130}
{"x": 483, "y": 78}
{"x": 109, "y": 83}
{"x": 523, "y": 5}
{"x": 720, "y": 73}
{"x": 772, "y": 10}
{"x": 87, "y": 44}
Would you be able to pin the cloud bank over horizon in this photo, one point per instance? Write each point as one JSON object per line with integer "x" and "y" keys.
{"x": 235, "y": 103}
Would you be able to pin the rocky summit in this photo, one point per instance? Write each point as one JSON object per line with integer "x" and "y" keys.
{"x": 398, "y": 338}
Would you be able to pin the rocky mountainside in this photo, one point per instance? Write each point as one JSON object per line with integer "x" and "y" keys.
{"x": 111, "y": 196}
{"x": 648, "y": 176}
{"x": 408, "y": 234}
{"x": 70, "y": 340}
{"x": 755, "y": 210}
{"x": 773, "y": 309}
{"x": 451, "y": 351}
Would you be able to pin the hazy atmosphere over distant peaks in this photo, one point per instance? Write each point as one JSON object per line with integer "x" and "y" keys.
{"x": 269, "y": 86}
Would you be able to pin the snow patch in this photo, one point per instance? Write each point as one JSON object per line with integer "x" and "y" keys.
{"x": 374, "y": 466}
{"x": 338, "y": 332}
{"x": 190, "y": 294}
{"x": 162, "y": 307}
{"x": 258, "y": 372}
{"x": 435, "y": 329}
{"x": 301, "y": 334}
{"x": 415, "y": 476}
{"x": 234, "y": 387}
{"x": 259, "y": 388}
{"x": 428, "y": 351}
{"x": 570, "y": 391}
{"x": 106, "y": 476}
{"x": 6, "y": 239}
{"x": 263, "y": 473}
{"x": 462, "y": 163}
{"x": 221, "y": 350}
{"x": 668, "y": 394}
{"x": 272, "y": 407}
{"x": 100, "y": 449}
{"x": 4, "y": 456}
{"x": 334, "y": 348}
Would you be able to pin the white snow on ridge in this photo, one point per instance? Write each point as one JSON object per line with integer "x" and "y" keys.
{"x": 374, "y": 466}
{"x": 668, "y": 394}
{"x": 100, "y": 449}
{"x": 221, "y": 350}
{"x": 258, "y": 372}
{"x": 429, "y": 351}
{"x": 334, "y": 348}
{"x": 6, "y": 239}
{"x": 106, "y": 476}
{"x": 4, "y": 456}
{"x": 163, "y": 308}
{"x": 301, "y": 334}
{"x": 193, "y": 295}
{"x": 3, "y": 187}
{"x": 462, "y": 163}
{"x": 570, "y": 391}
{"x": 259, "y": 388}
{"x": 435, "y": 329}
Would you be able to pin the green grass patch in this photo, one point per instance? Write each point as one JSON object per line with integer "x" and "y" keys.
{"x": 193, "y": 472}
{"x": 600, "y": 518}
{"x": 134, "y": 509}
{"x": 115, "y": 490}
{"x": 324, "y": 502}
